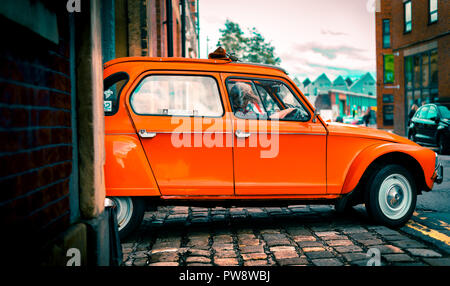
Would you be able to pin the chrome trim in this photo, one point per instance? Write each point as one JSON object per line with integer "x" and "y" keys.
{"x": 242, "y": 134}
{"x": 144, "y": 134}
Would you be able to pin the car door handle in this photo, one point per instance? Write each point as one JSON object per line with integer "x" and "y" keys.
{"x": 144, "y": 134}
{"x": 242, "y": 134}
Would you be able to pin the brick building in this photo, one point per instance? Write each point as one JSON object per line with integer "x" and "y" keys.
{"x": 155, "y": 28}
{"x": 52, "y": 120}
{"x": 412, "y": 58}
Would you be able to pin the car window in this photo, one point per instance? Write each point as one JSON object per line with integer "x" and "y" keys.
{"x": 113, "y": 85}
{"x": 245, "y": 100}
{"x": 279, "y": 90}
{"x": 432, "y": 113}
{"x": 445, "y": 113}
{"x": 269, "y": 103}
{"x": 177, "y": 95}
{"x": 422, "y": 112}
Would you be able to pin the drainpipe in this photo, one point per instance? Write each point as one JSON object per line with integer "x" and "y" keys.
{"x": 183, "y": 28}
{"x": 169, "y": 22}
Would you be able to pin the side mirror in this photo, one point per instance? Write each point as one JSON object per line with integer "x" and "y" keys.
{"x": 316, "y": 113}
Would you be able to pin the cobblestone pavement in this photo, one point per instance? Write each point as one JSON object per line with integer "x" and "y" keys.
{"x": 294, "y": 235}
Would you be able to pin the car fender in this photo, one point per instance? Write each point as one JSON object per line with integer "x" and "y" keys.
{"x": 127, "y": 170}
{"x": 424, "y": 157}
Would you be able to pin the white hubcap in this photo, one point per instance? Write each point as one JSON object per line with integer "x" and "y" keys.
{"x": 395, "y": 196}
{"x": 124, "y": 210}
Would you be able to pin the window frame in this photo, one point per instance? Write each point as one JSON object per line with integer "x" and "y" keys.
{"x": 405, "y": 31}
{"x": 112, "y": 78}
{"x": 252, "y": 79}
{"x": 430, "y": 22}
{"x": 384, "y": 34}
{"x": 177, "y": 74}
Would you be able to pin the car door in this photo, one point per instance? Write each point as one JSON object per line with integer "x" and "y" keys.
{"x": 184, "y": 129}
{"x": 276, "y": 157}
{"x": 420, "y": 121}
{"x": 431, "y": 125}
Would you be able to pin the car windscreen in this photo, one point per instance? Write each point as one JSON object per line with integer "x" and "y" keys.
{"x": 445, "y": 113}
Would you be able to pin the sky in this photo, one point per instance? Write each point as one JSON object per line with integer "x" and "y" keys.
{"x": 311, "y": 37}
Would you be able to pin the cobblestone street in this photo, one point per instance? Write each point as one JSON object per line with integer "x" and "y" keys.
{"x": 294, "y": 235}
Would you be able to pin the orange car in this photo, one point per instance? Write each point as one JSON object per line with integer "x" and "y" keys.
{"x": 216, "y": 132}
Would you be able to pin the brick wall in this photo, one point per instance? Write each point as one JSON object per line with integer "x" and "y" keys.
{"x": 422, "y": 34}
{"x": 35, "y": 132}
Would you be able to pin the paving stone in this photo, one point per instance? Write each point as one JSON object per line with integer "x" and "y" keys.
{"x": 283, "y": 254}
{"x": 249, "y": 242}
{"x": 339, "y": 242}
{"x": 269, "y": 231}
{"x": 353, "y": 230}
{"x": 293, "y": 261}
{"x": 225, "y": 254}
{"x": 312, "y": 249}
{"x": 246, "y": 236}
{"x": 251, "y": 249}
{"x": 397, "y": 258}
{"x": 165, "y": 264}
{"x": 386, "y": 231}
{"x": 355, "y": 256}
{"x": 395, "y": 237}
{"x": 199, "y": 264}
{"x": 386, "y": 249}
{"x": 223, "y": 246}
{"x": 254, "y": 256}
{"x": 281, "y": 242}
{"x": 408, "y": 244}
{"x": 325, "y": 233}
{"x": 199, "y": 252}
{"x": 409, "y": 264}
{"x": 334, "y": 237}
{"x": 164, "y": 257}
{"x": 197, "y": 259}
{"x": 226, "y": 262}
{"x": 438, "y": 261}
{"x": 299, "y": 231}
{"x": 346, "y": 249}
{"x": 255, "y": 263}
{"x": 302, "y": 238}
{"x": 140, "y": 254}
{"x": 140, "y": 261}
{"x": 223, "y": 239}
{"x": 422, "y": 252}
{"x": 370, "y": 242}
{"x": 309, "y": 244}
{"x": 362, "y": 236}
{"x": 319, "y": 254}
{"x": 327, "y": 262}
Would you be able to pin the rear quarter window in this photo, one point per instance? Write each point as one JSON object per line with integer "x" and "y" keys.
{"x": 112, "y": 88}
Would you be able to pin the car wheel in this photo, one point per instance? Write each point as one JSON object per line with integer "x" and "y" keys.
{"x": 129, "y": 213}
{"x": 391, "y": 196}
{"x": 412, "y": 136}
{"x": 442, "y": 145}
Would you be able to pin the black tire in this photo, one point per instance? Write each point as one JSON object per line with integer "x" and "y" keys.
{"x": 134, "y": 209}
{"x": 412, "y": 136}
{"x": 391, "y": 180}
{"x": 443, "y": 148}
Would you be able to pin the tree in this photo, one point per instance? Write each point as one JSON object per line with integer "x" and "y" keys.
{"x": 232, "y": 39}
{"x": 253, "y": 49}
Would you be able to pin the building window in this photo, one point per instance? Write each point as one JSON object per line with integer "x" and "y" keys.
{"x": 388, "y": 68}
{"x": 408, "y": 16}
{"x": 433, "y": 11}
{"x": 386, "y": 34}
{"x": 388, "y": 115}
{"x": 421, "y": 78}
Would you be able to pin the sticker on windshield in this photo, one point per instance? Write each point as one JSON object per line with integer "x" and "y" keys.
{"x": 107, "y": 105}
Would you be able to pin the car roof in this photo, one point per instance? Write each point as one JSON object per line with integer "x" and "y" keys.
{"x": 224, "y": 65}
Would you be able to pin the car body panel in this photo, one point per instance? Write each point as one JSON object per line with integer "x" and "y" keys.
{"x": 332, "y": 165}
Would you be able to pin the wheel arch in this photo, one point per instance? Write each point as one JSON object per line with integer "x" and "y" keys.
{"x": 374, "y": 157}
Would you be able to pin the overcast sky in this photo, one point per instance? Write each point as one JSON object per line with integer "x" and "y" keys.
{"x": 310, "y": 36}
